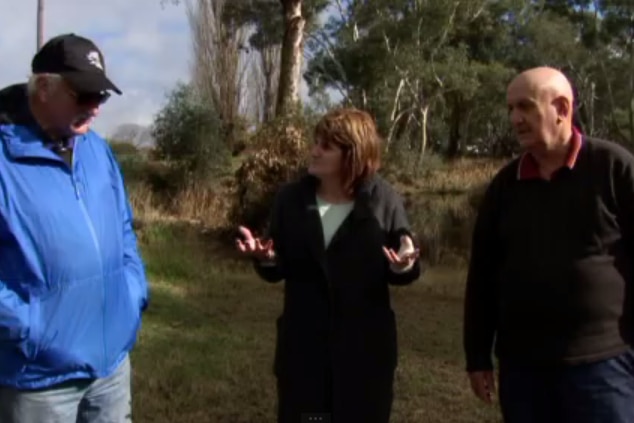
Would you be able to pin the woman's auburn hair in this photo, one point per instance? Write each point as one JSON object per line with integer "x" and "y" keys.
{"x": 355, "y": 132}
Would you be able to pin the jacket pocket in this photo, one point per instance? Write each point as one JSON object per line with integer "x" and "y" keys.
{"x": 32, "y": 346}
{"x": 66, "y": 330}
{"x": 123, "y": 314}
{"x": 137, "y": 297}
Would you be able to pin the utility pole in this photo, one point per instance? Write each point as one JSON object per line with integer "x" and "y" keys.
{"x": 40, "y": 24}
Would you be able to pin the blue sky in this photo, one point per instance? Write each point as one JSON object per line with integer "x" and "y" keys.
{"x": 146, "y": 48}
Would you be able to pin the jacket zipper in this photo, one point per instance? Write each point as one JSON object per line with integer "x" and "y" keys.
{"x": 93, "y": 234}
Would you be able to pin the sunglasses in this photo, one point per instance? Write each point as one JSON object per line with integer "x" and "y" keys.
{"x": 90, "y": 99}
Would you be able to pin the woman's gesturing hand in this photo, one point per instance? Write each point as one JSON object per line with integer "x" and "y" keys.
{"x": 253, "y": 246}
{"x": 405, "y": 257}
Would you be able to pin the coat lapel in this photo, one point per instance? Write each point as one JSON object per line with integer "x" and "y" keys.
{"x": 312, "y": 220}
{"x": 361, "y": 211}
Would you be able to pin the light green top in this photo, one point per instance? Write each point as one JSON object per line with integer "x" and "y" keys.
{"x": 332, "y": 216}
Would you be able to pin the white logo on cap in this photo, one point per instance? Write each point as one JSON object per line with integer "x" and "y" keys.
{"x": 94, "y": 59}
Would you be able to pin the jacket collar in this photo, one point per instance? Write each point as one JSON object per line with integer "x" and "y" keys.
{"x": 22, "y": 143}
{"x": 528, "y": 168}
{"x": 22, "y": 136}
{"x": 361, "y": 210}
{"x": 309, "y": 184}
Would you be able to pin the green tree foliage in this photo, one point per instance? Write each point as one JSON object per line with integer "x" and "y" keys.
{"x": 265, "y": 17}
{"x": 188, "y": 133}
{"x": 434, "y": 72}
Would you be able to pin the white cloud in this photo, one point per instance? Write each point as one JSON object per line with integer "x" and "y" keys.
{"x": 146, "y": 48}
{"x": 145, "y": 44}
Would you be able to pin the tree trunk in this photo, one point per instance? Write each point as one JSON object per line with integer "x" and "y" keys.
{"x": 292, "y": 55}
{"x": 453, "y": 149}
{"x": 272, "y": 75}
{"x": 423, "y": 144}
{"x": 218, "y": 72}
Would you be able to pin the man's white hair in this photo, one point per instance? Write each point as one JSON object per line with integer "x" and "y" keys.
{"x": 54, "y": 80}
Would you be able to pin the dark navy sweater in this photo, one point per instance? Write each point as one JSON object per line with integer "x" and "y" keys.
{"x": 550, "y": 277}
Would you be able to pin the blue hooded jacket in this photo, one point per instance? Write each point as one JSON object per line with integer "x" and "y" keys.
{"x": 72, "y": 283}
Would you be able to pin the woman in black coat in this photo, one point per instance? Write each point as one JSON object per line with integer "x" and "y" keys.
{"x": 333, "y": 237}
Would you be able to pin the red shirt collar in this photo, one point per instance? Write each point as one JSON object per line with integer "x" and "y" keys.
{"x": 528, "y": 167}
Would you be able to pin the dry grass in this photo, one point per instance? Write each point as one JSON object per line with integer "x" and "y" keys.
{"x": 141, "y": 199}
{"x": 209, "y": 203}
{"x": 438, "y": 203}
{"x": 206, "y": 347}
{"x": 208, "y": 206}
{"x": 456, "y": 177}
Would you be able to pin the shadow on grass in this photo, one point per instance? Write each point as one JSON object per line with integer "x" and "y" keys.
{"x": 206, "y": 348}
{"x": 205, "y": 351}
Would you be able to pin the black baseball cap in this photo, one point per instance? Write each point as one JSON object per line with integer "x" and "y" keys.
{"x": 77, "y": 60}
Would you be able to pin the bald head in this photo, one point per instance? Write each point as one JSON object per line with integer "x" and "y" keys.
{"x": 540, "y": 104}
{"x": 544, "y": 81}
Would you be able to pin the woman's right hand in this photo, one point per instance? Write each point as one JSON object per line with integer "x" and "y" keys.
{"x": 255, "y": 247}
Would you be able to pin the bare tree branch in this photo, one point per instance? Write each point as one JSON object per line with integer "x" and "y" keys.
{"x": 442, "y": 41}
{"x": 478, "y": 12}
{"x": 395, "y": 120}
{"x": 219, "y": 63}
{"x": 397, "y": 97}
{"x": 266, "y": 71}
{"x": 328, "y": 47}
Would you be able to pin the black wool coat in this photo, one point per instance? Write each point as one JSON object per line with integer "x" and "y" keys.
{"x": 336, "y": 348}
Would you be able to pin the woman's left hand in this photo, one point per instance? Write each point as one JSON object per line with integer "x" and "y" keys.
{"x": 406, "y": 256}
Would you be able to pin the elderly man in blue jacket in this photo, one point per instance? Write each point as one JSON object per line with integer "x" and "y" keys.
{"x": 72, "y": 284}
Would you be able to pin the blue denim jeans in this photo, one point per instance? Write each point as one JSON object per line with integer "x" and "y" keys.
{"x": 106, "y": 400}
{"x": 601, "y": 392}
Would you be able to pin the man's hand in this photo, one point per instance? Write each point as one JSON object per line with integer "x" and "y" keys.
{"x": 483, "y": 385}
{"x": 405, "y": 257}
{"x": 254, "y": 247}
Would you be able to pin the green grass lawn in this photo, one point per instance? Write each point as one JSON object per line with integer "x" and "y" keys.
{"x": 206, "y": 347}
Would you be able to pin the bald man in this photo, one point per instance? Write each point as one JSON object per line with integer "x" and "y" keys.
{"x": 549, "y": 286}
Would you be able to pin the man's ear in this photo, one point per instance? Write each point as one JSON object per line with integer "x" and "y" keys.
{"x": 42, "y": 87}
{"x": 563, "y": 107}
